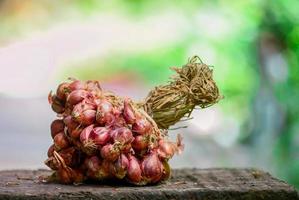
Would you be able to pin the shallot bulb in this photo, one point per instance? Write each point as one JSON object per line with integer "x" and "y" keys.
{"x": 92, "y": 165}
{"x": 129, "y": 114}
{"x": 77, "y": 96}
{"x": 70, "y": 123}
{"x": 152, "y": 167}
{"x": 75, "y": 133}
{"x": 51, "y": 150}
{"x": 76, "y": 85}
{"x": 85, "y": 134}
{"x": 105, "y": 113}
{"x": 66, "y": 174}
{"x": 88, "y": 146}
{"x": 104, "y": 171}
{"x": 52, "y": 163}
{"x": 62, "y": 91}
{"x": 84, "y": 113}
{"x": 94, "y": 87}
{"x": 134, "y": 170}
{"x": 56, "y": 127}
{"x": 110, "y": 152}
{"x": 141, "y": 142}
{"x": 122, "y": 135}
{"x": 61, "y": 141}
{"x": 100, "y": 135}
{"x": 141, "y": 126}
{"x": 167, "y": 149}
{"x": 120, "y": 166}
{"x": 70, "y": 156}
{"x": 56, "y": 104}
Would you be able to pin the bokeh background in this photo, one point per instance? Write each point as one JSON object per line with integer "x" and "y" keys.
{"x": 129, "y": 46}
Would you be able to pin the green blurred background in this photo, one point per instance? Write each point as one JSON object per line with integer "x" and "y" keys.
{"x": 129, "y": 46}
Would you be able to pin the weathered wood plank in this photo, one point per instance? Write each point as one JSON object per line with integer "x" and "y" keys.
{"x": 203, "y": 184}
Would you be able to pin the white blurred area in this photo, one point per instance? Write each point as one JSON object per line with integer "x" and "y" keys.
{"x": 30, "y": 66}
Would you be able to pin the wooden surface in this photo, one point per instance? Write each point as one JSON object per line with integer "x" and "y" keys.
{"x": 202, "y": 184}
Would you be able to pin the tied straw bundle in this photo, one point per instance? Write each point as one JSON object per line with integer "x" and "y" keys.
{"x": 192, "y": 86}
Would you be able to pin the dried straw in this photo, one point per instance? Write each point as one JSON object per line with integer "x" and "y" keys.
{"x": 192, "y": 86}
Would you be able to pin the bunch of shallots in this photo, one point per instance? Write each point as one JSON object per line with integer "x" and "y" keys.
{"x": 101, "y": 136}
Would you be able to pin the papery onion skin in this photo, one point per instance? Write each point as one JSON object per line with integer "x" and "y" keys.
{"x": 62, "y": 91}
{"x": 56, "y": 127}
{"x": 166, "y": 149}
{"x": 140, "y": 143}
{"x": 128, "y": 112}
{"x": 75, "y": 134}
{"x": 92, "y": 165}
{"x": 105, "y": 112}
{"x": 120, "y": 166}
{"x": 56, "y": 105}
{"x": 122, "y": 135}
{"x": 141, "y": 126}
{"x": 87, "y": 117}
{"x": 51, "y": 151}
{"x": 52, "y": 163}
{"x": 77, "y": 85}
{"x": 85, "y": 134}
{"x": 61, "y": 141}
{"x": 110, "y": 152}
{"x": 152, "y": 167}
{"x": 70, "y": 123}
{"x": 134, "y": 170}
{"x": 77, "y": 96}
{"x": 100, "y": 135}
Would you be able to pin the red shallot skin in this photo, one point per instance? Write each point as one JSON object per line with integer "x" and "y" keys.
{"x": 92, "y": 165}
{"x": 70, "y": 123}
{"x": 128, "y": 113}
{"x": 100, "y": 135}
{"x": 120, "y": 166}
{"x": 83, "y": 106}
{"x": 77, "y": 96}
{"x": 75, "y": 134}
{"x": 56, "y": 127}
{"x": 62, "y": 91}
{"x": 85, "y": 134}
{"x": 77, "y": 85}
{"x": 84, "y": 113}
{"x": 61, "y": 141}
{"x": 68, "y": 175}
{"x": 127, "y": 148}
{"x": 51, "y": 151}
{"x": 77, "y": 176}
{"x": 140, "y": 142}
{"x": 105, "y": 112}
{"x": 122, "y": 135}
{"x": 134, "y": 170}
{"x": 110, "y": 152}
{"x": 56, "y": 105}
{"x": 71, "y": 156}
{"x": 87, "y": 117}
{"x": 141, "y": 126}
{"x": 166, "y": 149}
{"x": 104, "y": 171}
{"x": 152, "y": 167}
{"x": 52, "y": 163}
{"x": 94, "y": 87}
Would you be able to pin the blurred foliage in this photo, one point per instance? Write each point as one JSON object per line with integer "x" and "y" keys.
{"x": 234, "y": 53}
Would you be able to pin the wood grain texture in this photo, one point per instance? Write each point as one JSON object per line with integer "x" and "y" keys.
{"x": 203, "y": 184}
